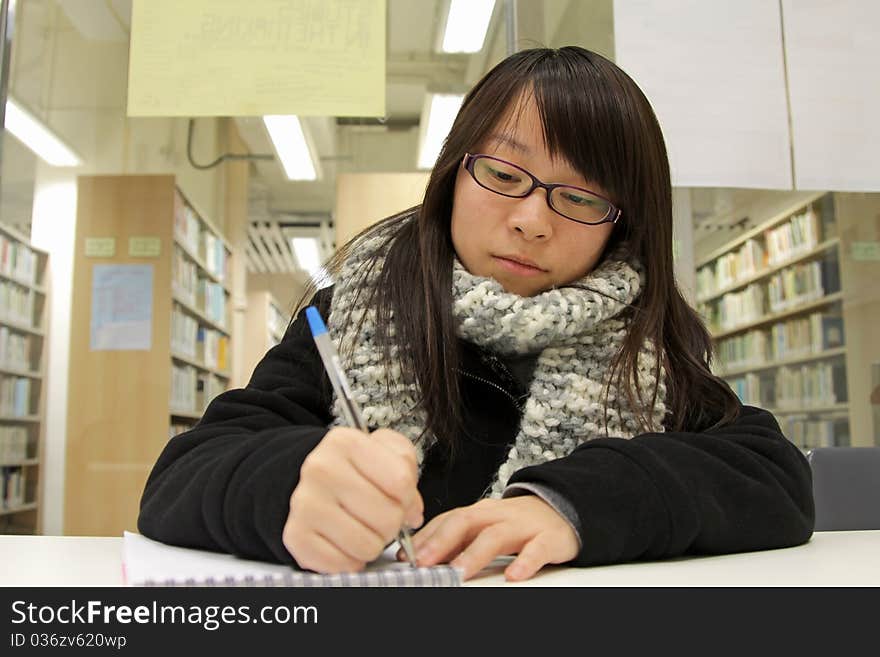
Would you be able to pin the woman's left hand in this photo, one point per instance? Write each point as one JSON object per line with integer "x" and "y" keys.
{"x": 471, "y": 537}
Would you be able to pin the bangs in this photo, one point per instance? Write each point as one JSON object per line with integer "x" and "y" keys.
{"x": 581, "y": 124}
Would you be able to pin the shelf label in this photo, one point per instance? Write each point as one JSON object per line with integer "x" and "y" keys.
{"x": 144, "y": 247}
{"x": 100, "y": 247}
{"x": 866, "y": 251}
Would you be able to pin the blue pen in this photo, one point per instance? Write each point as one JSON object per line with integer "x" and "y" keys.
{"x": 353, "y": 415}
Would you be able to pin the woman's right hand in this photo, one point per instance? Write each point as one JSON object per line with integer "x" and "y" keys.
{"x": 355, "y": 492}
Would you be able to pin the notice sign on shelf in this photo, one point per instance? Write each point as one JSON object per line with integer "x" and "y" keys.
{"x": 100, "y": 247}
{"x": 231, "y": 58}
{"x": 144, "y": 247}
{"x": 866, "y": 251}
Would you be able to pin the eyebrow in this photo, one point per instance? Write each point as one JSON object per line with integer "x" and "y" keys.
{"x": 510, "y": 141}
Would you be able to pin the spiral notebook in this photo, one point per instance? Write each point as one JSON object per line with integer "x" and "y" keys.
{"x": 146, "y": 562}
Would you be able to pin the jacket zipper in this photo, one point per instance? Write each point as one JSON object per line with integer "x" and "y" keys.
{"x": 513, "y": 399}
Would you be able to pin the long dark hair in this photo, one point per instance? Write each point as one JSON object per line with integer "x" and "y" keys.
{"x": 598, "y": 120}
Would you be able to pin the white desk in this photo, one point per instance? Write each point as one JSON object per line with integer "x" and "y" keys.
{"x": 829, "y": 559}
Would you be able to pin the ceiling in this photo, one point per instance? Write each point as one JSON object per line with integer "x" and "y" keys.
{"x": 279, "y": 207}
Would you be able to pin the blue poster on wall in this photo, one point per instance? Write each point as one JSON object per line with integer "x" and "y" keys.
{"x": 122, "y": 307}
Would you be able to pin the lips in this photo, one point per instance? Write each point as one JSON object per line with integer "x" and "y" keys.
{"x": 521, "y": 261}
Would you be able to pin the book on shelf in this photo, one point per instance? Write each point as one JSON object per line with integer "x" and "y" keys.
{"x": 17, "y": 260}
{"x": 12, "y": 479}
{"x": 13, "y": 443}
{"x": 15, "y": 349}
{"x": 826, "y": 331}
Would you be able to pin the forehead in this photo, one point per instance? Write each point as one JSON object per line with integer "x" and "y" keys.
{"x": 519, "y": 134}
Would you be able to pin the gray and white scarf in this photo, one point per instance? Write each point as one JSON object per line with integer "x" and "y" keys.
{"x": 577, "y": 330}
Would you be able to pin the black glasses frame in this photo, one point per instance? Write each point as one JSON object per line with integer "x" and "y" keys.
{"x": 614, "y": 212}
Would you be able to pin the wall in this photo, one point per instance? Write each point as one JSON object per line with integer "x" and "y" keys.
{"x": 363, "y": 199}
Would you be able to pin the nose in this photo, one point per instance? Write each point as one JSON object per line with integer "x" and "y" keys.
{"x": 532, "y": 217}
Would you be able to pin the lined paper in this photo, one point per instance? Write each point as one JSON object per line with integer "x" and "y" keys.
{"x": 149, "y": 563}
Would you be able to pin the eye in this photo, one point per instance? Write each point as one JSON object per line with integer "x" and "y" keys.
{"x": 502, "y": 176}
{"x": 581, "y": 200}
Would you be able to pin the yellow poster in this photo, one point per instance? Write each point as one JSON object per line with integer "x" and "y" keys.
{"x": 233, "y": 58}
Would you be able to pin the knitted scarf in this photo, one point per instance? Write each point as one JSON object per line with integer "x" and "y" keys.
{"x": 576, "y": 330}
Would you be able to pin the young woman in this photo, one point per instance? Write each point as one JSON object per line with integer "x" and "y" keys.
{"x": 534, "y": 381}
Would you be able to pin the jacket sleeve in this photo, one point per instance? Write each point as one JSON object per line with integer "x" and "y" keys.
{"x": 734, "y": 488}
{"x": 225, "y": 484}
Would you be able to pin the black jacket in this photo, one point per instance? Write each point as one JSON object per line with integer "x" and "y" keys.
{"x": 225, "y": 484}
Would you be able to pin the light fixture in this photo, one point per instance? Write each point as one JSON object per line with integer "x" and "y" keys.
{"x": 466, "y": 24}
{"x": 438, "y": 114}
{"x": 308, "y": 256}
{"x": 34, "y": 134}
{"x": 290, "y": 144}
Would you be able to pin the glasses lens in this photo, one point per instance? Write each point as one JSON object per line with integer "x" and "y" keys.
{"x": 579, "y": 205}
{"x": 501, "y": 177}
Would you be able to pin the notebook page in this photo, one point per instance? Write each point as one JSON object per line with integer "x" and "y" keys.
{"x": 150, "y": 563}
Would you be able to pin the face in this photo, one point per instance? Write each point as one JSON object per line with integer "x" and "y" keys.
{"x": 521, "y": 242}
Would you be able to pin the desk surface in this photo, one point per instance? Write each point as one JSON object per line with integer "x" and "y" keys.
{"x": 829, "y": 559}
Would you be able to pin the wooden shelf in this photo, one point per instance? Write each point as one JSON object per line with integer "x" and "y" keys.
{"x": 262, "y": 310}
{"x": 199, "y": 315}
{"x": 833, "y": 409}
{"x": 775, "y": 317}
{"x": 777, "y": 218}
{"x": 827, "y": 245}
{"x": 135, "y": 419}
{"x": 28, "y": 329}
{"x": 772, "y": 364}
{"x": 30, "y": 506}
{"x": 189, "y": 415}
{"x": 20, "y": 418}
{"x": 30, "y": 286}
{"x": 30, "y": 374}
{"x": 13, "y": 464}
{"x": 199, "y": 365}
{"x": 19, "y": 326}
{"x": 184, "y": 247}
{"x": 843, "y": 220}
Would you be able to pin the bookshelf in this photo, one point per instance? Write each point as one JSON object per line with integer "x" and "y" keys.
{"x": 125, "y": 402}
{"x": 791, "y": 311}
{"x": 266, "y": 322}
{"x": 23, "y": 316}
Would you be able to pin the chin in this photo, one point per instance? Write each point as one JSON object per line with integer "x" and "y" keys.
{"x": 521, "y": 290}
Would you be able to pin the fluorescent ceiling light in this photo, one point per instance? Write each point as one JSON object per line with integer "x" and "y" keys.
{"x": 289, "y": 141}
{"x": 307, "y": 254}
{"x": 437, "y": 117}
{"x": 466, "y": 25}
{"x": 34, "y": 134}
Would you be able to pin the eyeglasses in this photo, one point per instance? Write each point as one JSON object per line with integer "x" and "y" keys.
{"x": 507, "y": 179}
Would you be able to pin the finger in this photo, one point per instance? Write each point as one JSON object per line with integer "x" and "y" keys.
{"x": 533, "y": 556}
{"x": 451, "y": 535}
{"x": 398, "y": 443}
{"x": 493, "y": 541}
{"x": 348, "y": 534}
{"x": 386, "y": 469}
{"x": 372, "y": 507}
{"x": 314, "y": 552}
